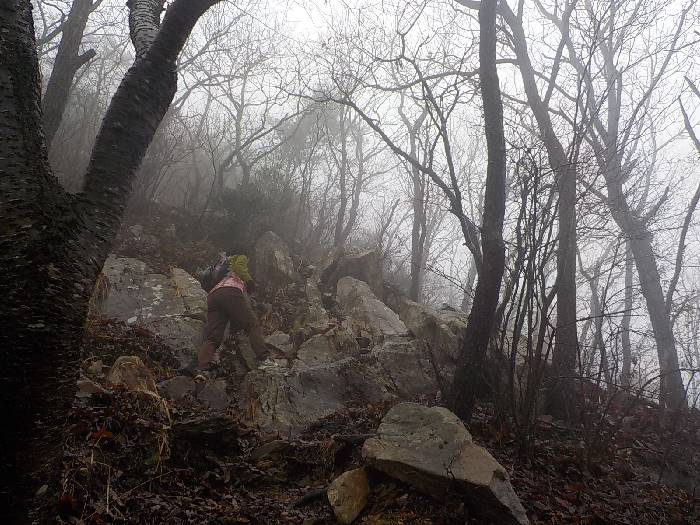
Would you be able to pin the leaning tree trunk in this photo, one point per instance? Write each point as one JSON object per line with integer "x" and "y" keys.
{"x": 53, "y": 244}
{"x": 481, "y": 320}
{"x": 672, "y": 391}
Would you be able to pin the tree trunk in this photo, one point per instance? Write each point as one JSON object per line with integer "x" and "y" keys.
{"x": 560, "y": 395}
{"x": 65, "y": 66}
{"x": 672, "y": 391}
{"x": 626, "y": 375}
{"x": 417, "y": 239}
{"x": 54, "y": 244}
{"x": 342, "y": 171}
{"x": 478, "y": 331}
{"x": 559, "y": 392}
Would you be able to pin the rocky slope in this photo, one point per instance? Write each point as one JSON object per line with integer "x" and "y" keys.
{"x": 331, "y": 434}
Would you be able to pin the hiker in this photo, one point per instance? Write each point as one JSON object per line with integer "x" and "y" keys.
{"x": 228, "y": 284}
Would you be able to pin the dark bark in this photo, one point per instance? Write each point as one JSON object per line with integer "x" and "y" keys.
{"x": 626, "y": 373}
{"x": 559, "y": 394}
{"x": 481, "y": 320}
{"x": 65, "y": 66}
{"x": 53, "y": 244}
{"x": 672, "y": 392}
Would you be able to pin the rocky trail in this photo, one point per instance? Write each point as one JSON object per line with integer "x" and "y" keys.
{"x": 345, "y": 428}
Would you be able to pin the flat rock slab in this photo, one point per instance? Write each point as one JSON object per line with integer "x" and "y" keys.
{"x": 347, "y": 494}
{"x": 431, "y": 449}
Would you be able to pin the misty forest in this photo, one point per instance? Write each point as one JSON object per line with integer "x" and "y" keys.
{"x": 383, "y": 262}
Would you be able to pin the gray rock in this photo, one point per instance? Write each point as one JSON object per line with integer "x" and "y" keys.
{"x": 283, "y": 343}
{"x": 122, "y": 277}
{"x": 157, "y": 298}
{"x": 177, "y": 387}
{"x": 245, "y": 353}
{"x": 191, "y": 293}
{"x": 407, "y": 367}
{"x": 347, "y": 494}
{"x": 180, "y": 332}
{"x": 268, "y": 449}
{"x": 286, "y": 401}
{"x": 311, "y": 317}
{"x": 273, "y": 265}
{"x": 431, "y": 449}
{"x": 278, "y": 339}
{"x": 442, "y": 329}
{"x": 366, "y": 312}
{"x": 173, "y": 306}
{"x": 332, "y": 346}
{"x": 316, "y": 315}
{"x": 363, "y": 265}
{"x": 213, "y": 395}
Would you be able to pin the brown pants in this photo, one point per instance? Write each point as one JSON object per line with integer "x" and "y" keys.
{"x": 229, "y": 305}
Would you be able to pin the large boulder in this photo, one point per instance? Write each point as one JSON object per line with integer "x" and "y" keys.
{"x": 363, "y": 265}
{"x": 333, "y": 345}
{"x": 172, "y": 306}
{"x": 180, "y": 332}
{"x": 366, "y": 313}
{"x": 273, "y": 264}
{"x": 431, "y": 449}
{"x": 285, "y": 401}
{"x": 407, "y": 367}
{"x": 442, "y": 329}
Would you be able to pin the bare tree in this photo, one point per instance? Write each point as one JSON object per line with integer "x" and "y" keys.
{"x": 481, "y": 320}
{"x": 562, "y": 162}
{"x": 610, "y": 140}
{"x": 54, "y": 243}
{"x": 66, "y": 64}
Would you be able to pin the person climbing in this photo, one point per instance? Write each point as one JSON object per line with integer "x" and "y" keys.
{"x": 228, "y": 284}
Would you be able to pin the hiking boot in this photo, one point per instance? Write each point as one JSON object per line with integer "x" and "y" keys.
{"x": 195, "y": 372}
{"x": 202, "y": 375}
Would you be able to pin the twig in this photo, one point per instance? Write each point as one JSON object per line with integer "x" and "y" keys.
{"x": 150, "y": 480}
